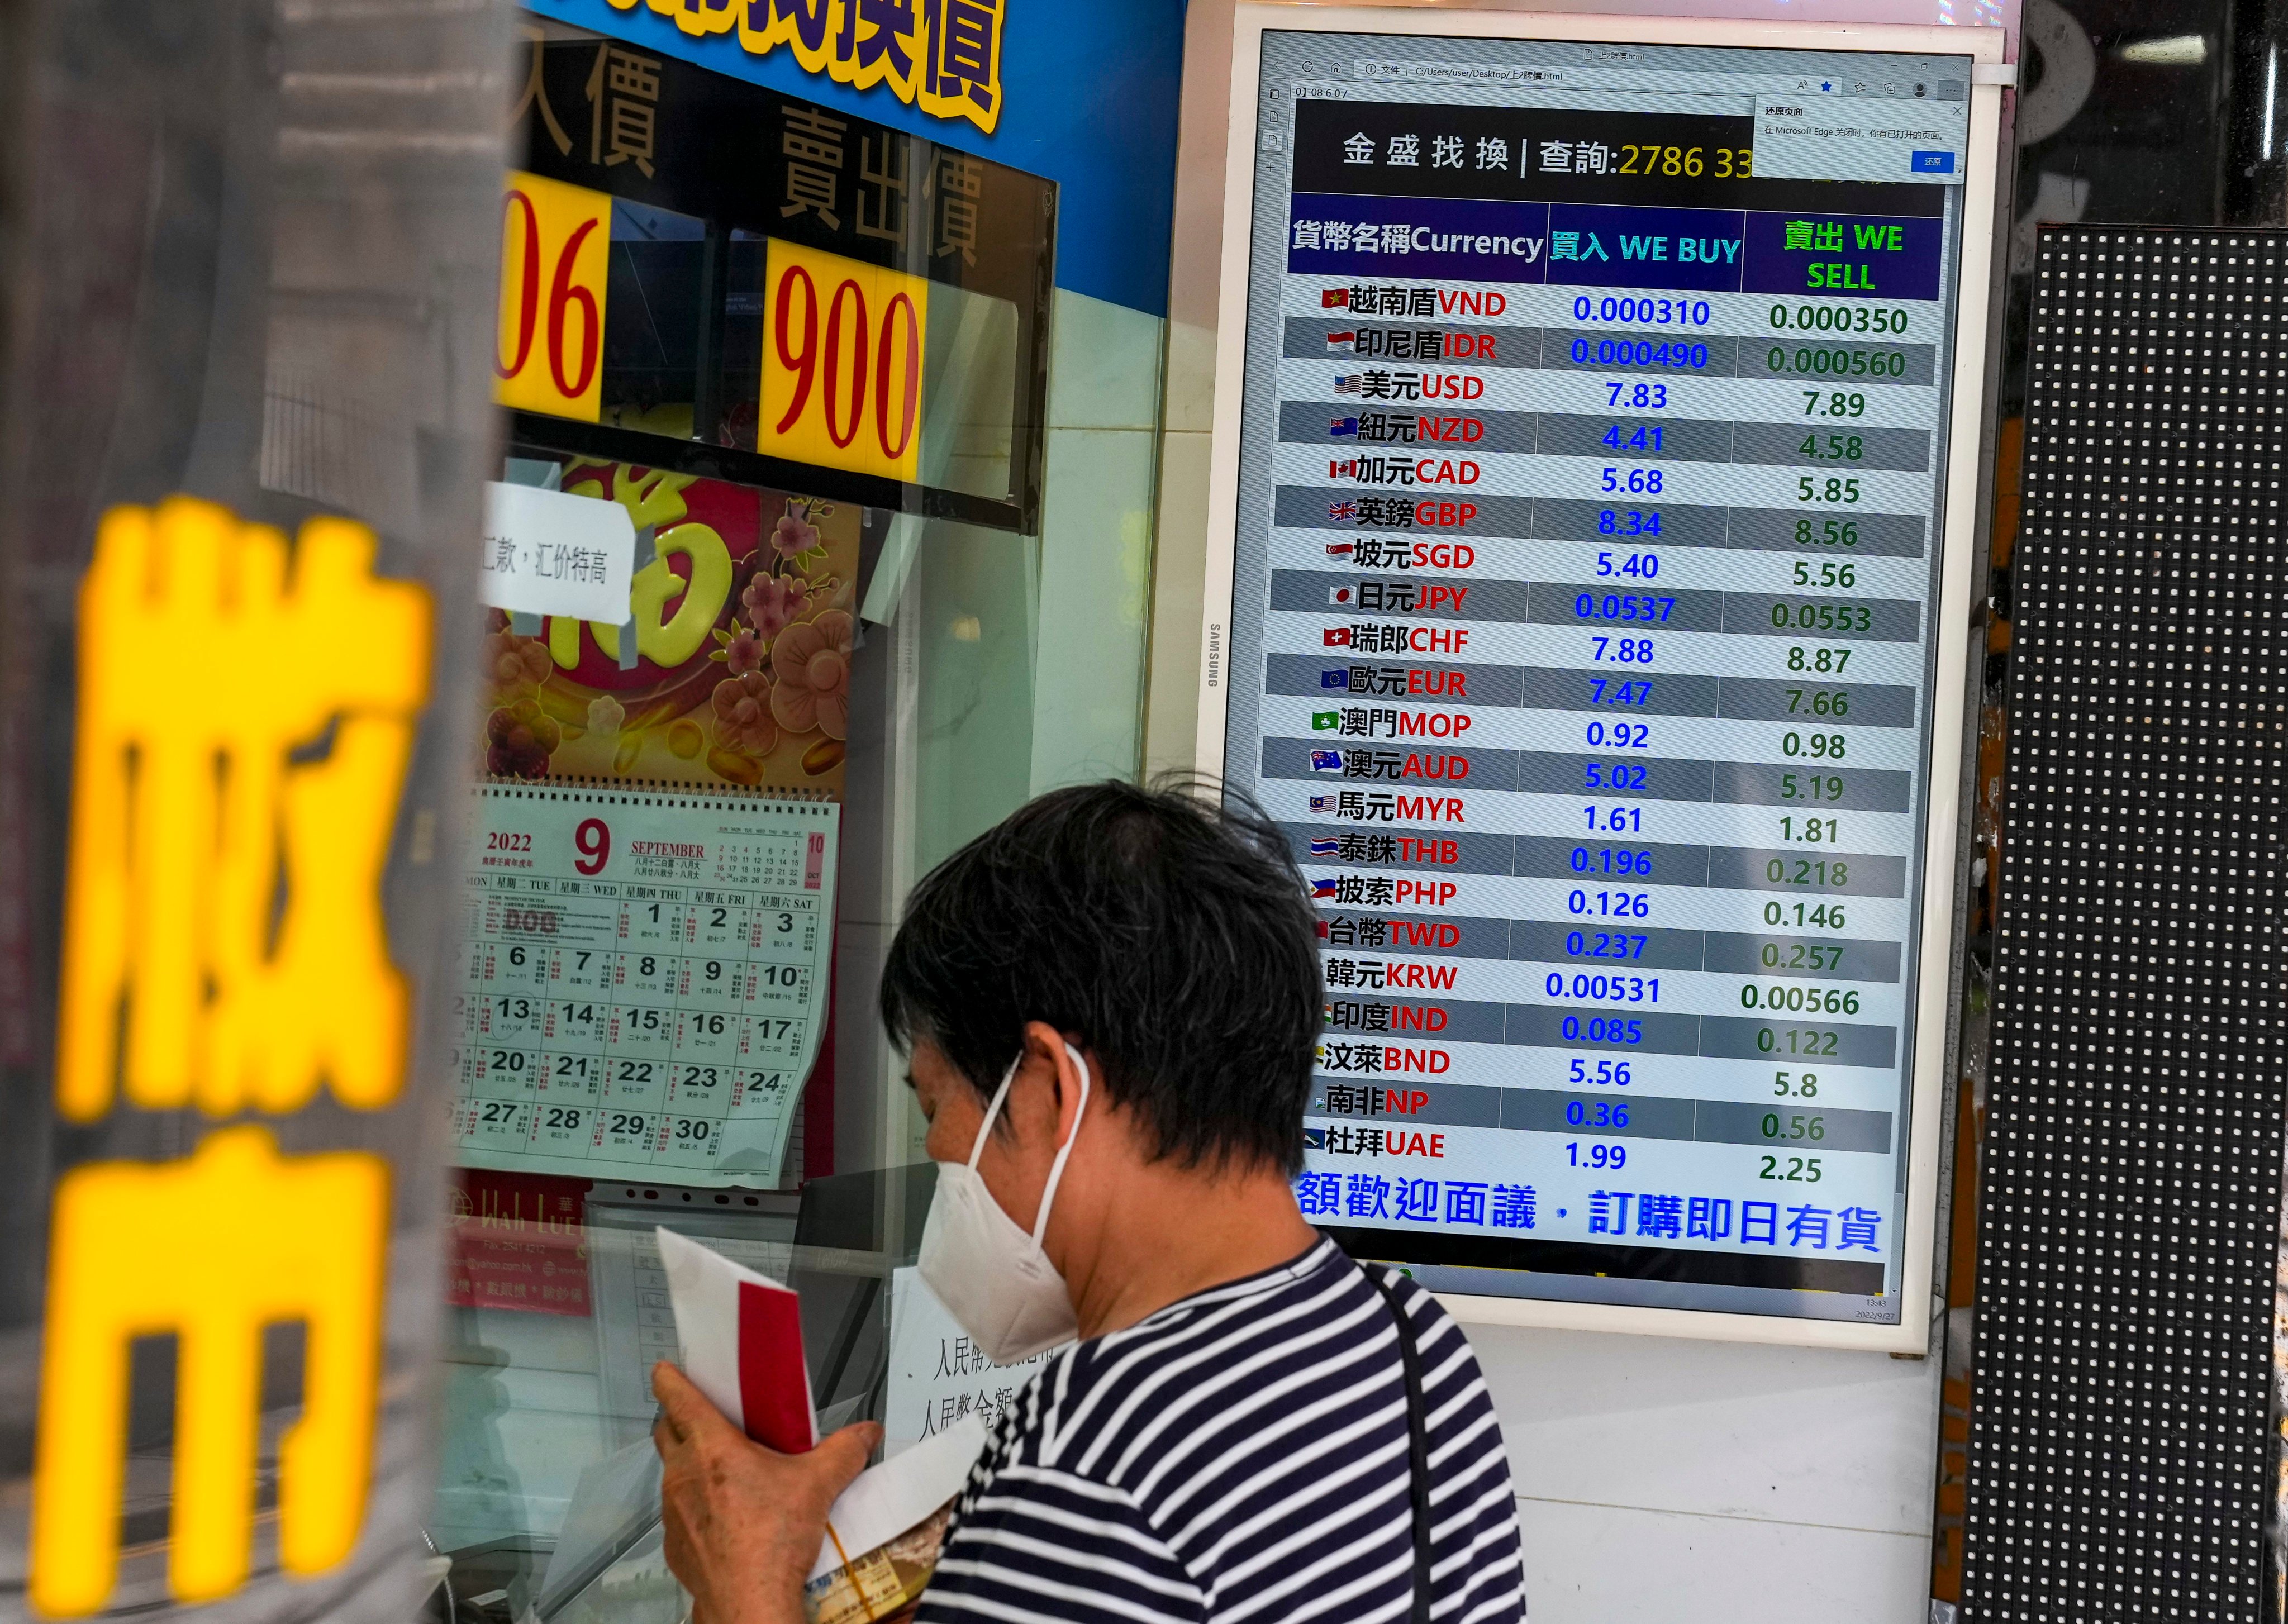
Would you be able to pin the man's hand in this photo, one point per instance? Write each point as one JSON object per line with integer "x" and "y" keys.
{"x": 743, "y": 1522}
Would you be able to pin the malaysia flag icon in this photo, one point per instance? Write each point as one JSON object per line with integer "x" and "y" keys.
{"x": 1323, "y": 804}
{"x": 1326, "y": 761}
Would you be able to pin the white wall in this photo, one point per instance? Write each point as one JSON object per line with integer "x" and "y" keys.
{"x": 1657, "y": 1479}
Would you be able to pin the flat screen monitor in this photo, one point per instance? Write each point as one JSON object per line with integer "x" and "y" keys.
{"x": 1590, "y": 582}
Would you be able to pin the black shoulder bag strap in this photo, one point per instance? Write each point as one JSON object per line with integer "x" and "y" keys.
{"x": 1418, "y": 1443}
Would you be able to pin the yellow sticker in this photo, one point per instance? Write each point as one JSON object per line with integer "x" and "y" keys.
{"x": 555, "y": 248}
{"x": 843, "y": 343}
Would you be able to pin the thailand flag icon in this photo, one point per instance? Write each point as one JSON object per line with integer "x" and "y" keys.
{"x": 1339, "y": 677}
{"x": 1341, "y": 342}
{"x": 1323, "y": 891}
{"x": 1325, "y": 848}
{"x": 1323, "y": 804}
{"x": 1340, "y": 428}
{"x": 1335, "y": 637}
{"x": 1334, "y": 298}
{"x": 1326, "y": 761}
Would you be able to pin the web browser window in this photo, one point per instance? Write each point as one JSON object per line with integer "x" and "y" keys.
{"x": 1592, "y": 454}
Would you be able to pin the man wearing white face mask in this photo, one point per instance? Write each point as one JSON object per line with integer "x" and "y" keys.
{"x": 1111, "y": 1003}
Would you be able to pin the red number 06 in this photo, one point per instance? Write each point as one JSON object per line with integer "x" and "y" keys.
{"x": 594, "y": 840}
{"x": 561, "y": 296}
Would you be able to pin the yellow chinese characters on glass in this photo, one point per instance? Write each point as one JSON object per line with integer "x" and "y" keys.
{"x": 224, "y": 943}
{"x": 556, "y": 244}
{"x": 211, "y": 1249}
{"x": 941, "y": 56}
{"x": 843, "y": 348}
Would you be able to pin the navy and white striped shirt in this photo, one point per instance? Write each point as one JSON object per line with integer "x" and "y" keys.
{"x": 1240, "y": 1455}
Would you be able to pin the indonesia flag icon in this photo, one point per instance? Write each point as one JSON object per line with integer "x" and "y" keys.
{"x": 1342, "y": 343}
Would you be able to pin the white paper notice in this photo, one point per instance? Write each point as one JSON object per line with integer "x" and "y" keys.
{"x": 937, "y": 1375}
{"x": 548, "y": 553}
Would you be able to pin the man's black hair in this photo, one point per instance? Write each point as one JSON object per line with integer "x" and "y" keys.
{"x": 1168, "y": 935}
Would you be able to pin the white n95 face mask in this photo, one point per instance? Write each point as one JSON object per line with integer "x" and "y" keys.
{"x": 992, "y": 1277}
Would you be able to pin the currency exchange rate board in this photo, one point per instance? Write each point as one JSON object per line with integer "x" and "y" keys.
{"x": 1592, "y": 461}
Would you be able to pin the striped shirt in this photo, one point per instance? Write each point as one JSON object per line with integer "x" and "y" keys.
{"x": 1240, "y": 1455}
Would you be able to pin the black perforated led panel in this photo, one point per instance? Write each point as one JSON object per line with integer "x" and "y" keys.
{"x": 2117, "y": 1454}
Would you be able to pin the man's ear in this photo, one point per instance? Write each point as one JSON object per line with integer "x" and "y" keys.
{"x": 1044, "y": 1043}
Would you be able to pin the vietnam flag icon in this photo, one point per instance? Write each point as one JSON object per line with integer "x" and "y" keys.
{"x": 1334, "y": 298}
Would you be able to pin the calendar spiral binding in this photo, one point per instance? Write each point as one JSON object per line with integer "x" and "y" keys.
{"x": 663, "y": 791}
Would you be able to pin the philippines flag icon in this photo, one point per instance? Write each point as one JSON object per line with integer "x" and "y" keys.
{"x": 1323, "y": 891}
{"x": 1346, "y": 383}
{"x": 1326, "y": 761}
{"x": 1341, "y": 510}
{"x": 1335, "y": 679}
{"x": 1323, "y": 804}
{"x": 1325, "y": 848}
{"x": 1338, "y": 343}
{"x": 1340, "y": 595}
{"x": 1335, "y": 637}
{"x": 1341, "y": 428}
{"x": 1334, "y": 298}
{"x": 1342, "y": 549}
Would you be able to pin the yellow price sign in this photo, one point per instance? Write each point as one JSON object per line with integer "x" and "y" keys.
{"x": 842, "y": 363}
{"x": 556, "y": 245}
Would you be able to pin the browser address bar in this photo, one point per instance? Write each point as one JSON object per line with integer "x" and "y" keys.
{"x": 1384, "y": 70}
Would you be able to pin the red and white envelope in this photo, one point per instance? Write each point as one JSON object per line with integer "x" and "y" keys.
{"x": 741, "y": 1336}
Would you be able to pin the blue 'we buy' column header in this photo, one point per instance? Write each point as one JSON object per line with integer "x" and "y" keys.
{"x": 1712, "y": 250}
